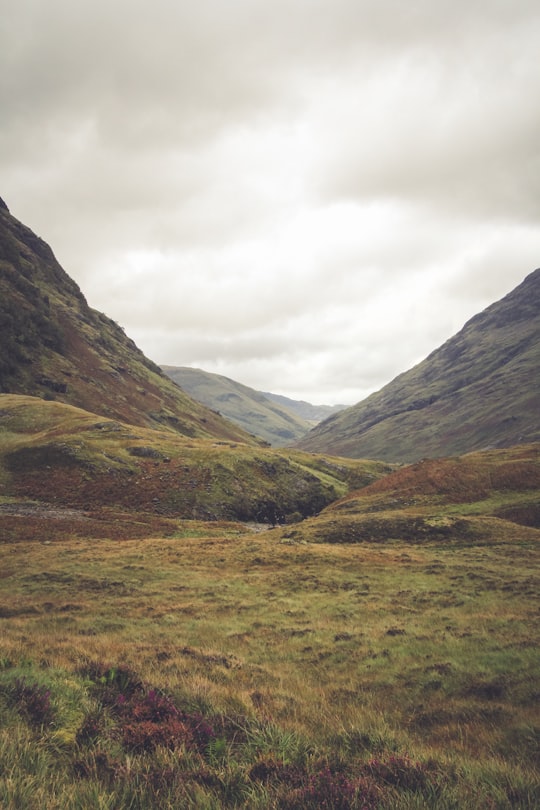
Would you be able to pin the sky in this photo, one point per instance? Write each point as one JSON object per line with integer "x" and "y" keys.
{"x": 307, "y": 196}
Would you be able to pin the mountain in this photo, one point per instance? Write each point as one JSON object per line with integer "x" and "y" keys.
{"x": 55, "y": 346}
{"x": 305, "y": 410}
{"x": 480, "y": 389}
{"x": 251, "y": 410}
{"x": 96, "y": 440}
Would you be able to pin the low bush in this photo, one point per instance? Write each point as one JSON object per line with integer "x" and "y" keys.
{"x": 332, "y": 790}
{"x": 33, "y": 701}
{"x": 152, "y": 719}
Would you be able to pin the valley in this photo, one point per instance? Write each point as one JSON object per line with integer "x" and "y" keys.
{"x": 382, "y": 653}
{"x": 192, "y": 618}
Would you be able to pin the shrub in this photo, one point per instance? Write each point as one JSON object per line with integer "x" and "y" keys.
{"x": 332, "y": 790}
{"x": 146, "y": 735}
{"x": 91, "y": 728}
{"x": 109, "y": 682}
{"x": 152, "y": 719}
{"x": 33, "y": 701}
{"x": 270, "y": 770}
{"x": 399, "y": 771}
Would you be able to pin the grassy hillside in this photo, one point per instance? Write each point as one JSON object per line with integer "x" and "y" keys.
{"x": 305, "y": 410}
{"x": 223, "y": 669}
{"x": 476, "y": 498}
{"x": 55, "y": 346}
{"x": 67, "y": 458}
{"x": 244, "y": 406}
{"x": 480, "y": 389}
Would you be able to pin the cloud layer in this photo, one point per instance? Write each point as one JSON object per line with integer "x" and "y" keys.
{"x": 305, "y": 196}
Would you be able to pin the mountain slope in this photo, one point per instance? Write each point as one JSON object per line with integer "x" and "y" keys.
{"x": 244, "y": 406}
{"x": 55, "y": 346}
{"x": 480, "y": 389}
{"x": 305, "y": 410}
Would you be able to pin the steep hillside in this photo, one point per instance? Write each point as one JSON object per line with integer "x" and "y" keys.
{"x": 55, "y": 346}
{"x": 250, "y": 409}
{"x": 480, "y": 389}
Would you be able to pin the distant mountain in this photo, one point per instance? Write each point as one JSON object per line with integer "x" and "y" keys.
{"x": 54, "y": 346}
{"x": 480, "y": 389}
{"x": 252, "y": 410}
{"x": 305, "y": 410}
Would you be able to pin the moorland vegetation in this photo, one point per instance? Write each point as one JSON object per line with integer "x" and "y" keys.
{"x": 220, "y": 668}
{"x": 380, "y": 654}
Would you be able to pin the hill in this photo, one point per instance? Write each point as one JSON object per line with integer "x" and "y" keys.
{"x": 64, "y": 470}
{"x": 253, "y": 411}
{"x": 480, "y": 389}
{"x": 55, "y": 346}
{"x": 483, "y": 497}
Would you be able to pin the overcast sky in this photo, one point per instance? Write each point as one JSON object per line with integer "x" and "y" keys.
{"x": 308, "y": 196}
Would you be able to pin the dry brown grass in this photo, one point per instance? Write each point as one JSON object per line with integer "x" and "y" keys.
{"x": 322, "y": 637}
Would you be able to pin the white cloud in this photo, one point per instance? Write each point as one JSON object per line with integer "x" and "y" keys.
{"x": 305, "y": 196}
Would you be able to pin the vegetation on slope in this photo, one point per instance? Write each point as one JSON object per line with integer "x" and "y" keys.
{"x": 55, "y": 454}
{"x": 55, "y": 346}
{"x": 480, "y": 389}
{"x": 479, "y": 497}
{"x": 250, "y": 409}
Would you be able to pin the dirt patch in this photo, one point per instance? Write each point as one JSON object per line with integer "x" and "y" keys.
{"x": 26, "y": 522}
{"x": 19, "y": 509}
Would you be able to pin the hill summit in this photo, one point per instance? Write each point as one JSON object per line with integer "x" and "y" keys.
{"x": 55, "y": 346}
{"x": 479, "y": 390}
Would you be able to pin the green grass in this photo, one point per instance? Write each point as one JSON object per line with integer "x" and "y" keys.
{"x": 57, "y": 454}
{"x": 310, "y": 659}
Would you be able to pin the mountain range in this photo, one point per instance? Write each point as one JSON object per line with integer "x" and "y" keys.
{"x": 479, "y": 390}
{"x": 312, "y": 414}
{"x": 276, "y": 419}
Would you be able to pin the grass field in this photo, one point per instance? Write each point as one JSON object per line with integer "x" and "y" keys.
{"x": 223, "y": 667}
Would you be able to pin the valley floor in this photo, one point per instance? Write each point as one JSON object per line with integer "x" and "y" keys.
{"x": 365, "y": 676}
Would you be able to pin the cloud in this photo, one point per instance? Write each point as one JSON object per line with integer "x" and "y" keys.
{"x": 447, "y": 124}
{"x": 305, "y": 196}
